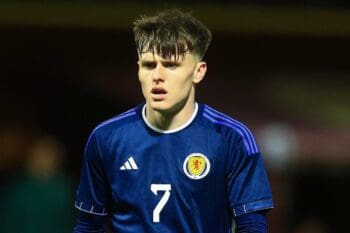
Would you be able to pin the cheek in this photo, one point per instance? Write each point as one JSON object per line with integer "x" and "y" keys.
{"x": 142, "y": 78}
{"x": 183, "y": 88}
{"x": 188, "y": 82}
{"x": 140, "y": 75}
{"x": 145, "y": 86}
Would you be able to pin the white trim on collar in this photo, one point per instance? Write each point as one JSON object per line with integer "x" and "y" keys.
{"x": 170, "y": 130}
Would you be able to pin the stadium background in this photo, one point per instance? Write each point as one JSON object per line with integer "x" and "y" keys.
{"x": 283, "y": 69}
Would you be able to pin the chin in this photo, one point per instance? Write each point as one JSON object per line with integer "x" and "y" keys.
{"x": 166, "y": 107}
{"x": 161, "y": 106}
{"x": 158, "y": 105}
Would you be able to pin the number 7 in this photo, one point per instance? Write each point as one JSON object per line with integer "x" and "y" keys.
{"x": 163, "y": 200}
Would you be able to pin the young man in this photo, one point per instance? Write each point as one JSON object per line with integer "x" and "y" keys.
{"x": 171, "y": 164}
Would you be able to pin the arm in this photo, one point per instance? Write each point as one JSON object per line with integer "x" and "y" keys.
{"x": 93, "y": 193}
{"x": 253, "y": 222}
{"x": 249, "y": 190}
{"x": 89, "y": 223}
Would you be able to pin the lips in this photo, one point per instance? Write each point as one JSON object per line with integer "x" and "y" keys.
{"x": 158, "y": 91}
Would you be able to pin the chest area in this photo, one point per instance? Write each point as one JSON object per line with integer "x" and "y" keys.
{"x": 188, "y": 164}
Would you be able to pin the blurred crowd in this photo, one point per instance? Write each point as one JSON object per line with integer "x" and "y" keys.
{"x": 36, "y": 193}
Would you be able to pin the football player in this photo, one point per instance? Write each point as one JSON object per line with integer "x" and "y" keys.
{"x": 172, "y": 165}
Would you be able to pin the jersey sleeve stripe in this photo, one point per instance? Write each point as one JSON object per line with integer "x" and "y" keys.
{"x": 240, "y": 130}
{"x": 90, "y": 209}
{"x": 239, "y": 124}
{"x": 248, "y": 134}
{"x": 226, "y": 124}
{"x": 253, "y": 206}
{"x": 248, "y": 139}
{"x": 130, "y": 110}
{"x": 117, "y": 118}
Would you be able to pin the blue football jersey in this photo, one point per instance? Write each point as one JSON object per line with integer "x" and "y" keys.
{"x": 193, "y": 179}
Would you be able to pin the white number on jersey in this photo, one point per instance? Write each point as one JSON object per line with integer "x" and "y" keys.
{"x": 163, "y": 200}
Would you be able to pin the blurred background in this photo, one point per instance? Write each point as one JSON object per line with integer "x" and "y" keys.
{"x": 281, "y": 68}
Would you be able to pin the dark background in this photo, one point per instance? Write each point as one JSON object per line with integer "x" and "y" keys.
{"x": 282, "y": 69}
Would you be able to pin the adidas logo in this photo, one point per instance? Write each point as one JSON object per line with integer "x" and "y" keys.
{"x": 129, "y": 165}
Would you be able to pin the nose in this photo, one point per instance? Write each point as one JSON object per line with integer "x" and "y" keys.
{"x": 158, "y": 74}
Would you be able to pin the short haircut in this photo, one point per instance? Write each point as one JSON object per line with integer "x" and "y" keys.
{"x": 171, "y": 33}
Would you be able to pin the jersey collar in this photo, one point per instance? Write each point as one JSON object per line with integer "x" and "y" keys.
{"x": 171, "y": 130}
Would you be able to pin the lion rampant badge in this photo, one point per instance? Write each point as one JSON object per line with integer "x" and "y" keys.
{"x": 196, "y": 166}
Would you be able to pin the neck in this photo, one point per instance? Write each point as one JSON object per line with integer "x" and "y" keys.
{"x": 172, "y": 119}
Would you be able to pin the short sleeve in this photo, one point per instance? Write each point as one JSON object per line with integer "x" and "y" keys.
{"x": 92, "y": 194}
{"x": 248, "y": 184}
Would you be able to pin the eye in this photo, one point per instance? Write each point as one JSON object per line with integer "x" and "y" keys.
{"x": 170, "y": 65}
{"x": 148, "y": 65}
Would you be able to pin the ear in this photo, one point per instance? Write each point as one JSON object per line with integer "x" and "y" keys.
{"x": 200, "y": 71}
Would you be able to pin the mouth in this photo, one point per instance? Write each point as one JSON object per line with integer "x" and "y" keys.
{"x": 158, "y": 91}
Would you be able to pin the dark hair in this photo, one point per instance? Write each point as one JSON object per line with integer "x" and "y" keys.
{"x": 171, "y": 33}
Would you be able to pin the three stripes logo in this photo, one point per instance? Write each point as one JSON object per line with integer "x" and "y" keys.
{"x": 129, "y": 165}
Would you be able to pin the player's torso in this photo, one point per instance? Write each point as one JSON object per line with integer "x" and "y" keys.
{"x": 168, "y": 182}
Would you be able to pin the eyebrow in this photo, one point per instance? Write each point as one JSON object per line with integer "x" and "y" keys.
{"x": 146, "y": 60}
{"x": 169, "y": 62}
{"x": 163, "y": 62}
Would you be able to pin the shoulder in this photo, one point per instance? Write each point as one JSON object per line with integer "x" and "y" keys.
{"x": 229, "y": 128}
{"x": 103, "y": 135}
{"x": 117, "y": 122}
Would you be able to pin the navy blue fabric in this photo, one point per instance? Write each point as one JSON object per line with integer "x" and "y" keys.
{"x": 254, "y": 222}
{"x": 89, "y": 223}
{"x": 134, "y": 173}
